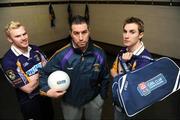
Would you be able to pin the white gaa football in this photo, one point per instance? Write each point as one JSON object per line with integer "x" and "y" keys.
{"x": 59, "y": 79}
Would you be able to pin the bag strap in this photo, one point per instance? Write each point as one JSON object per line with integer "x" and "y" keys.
{"x": 124, "y": 65}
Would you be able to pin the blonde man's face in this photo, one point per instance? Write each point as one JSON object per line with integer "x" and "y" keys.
{"x": 19, "y": 38}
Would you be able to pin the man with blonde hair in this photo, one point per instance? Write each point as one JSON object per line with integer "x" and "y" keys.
{"x": 21, "y": 66}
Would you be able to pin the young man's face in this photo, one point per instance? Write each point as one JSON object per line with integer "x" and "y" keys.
{"x": 80, "y": 35}
{"x": 131, "y": 35}
{"x": 19, "y": 38}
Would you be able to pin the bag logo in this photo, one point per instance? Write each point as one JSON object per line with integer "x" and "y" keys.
{"x": 145, "y": 88}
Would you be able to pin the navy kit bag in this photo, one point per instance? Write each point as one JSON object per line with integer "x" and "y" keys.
{"x": 139, "y": 89}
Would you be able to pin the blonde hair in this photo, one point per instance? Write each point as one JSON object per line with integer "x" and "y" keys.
{"x": 12, "y": 25}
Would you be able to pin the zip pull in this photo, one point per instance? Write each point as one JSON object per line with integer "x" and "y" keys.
{"x": 82, "y": 57}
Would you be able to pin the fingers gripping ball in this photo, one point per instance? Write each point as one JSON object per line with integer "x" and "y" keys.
{"x": 59, "y": 80}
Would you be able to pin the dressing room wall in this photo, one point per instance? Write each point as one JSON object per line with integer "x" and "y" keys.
{"x": 37, "y": 22}
{"x": 161, "y": 24}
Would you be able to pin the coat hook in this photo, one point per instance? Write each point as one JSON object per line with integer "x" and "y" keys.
{"x": 171, "y": 3}
{"x": 152, "y": 2}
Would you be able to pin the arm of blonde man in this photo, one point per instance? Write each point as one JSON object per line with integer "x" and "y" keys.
{"x": 33, "y": 83}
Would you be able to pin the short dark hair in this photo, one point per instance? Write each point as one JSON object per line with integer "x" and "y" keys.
{"x": 137, "y": 21}
{"x": 78, "y": 20}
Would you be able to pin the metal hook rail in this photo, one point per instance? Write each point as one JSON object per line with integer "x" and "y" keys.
{"x": 133, "y": 2}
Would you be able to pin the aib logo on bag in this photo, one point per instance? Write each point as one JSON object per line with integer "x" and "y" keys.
{"x": 145, "y": 88}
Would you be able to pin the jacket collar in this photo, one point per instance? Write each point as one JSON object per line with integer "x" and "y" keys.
{"x": 17, "y": 52}
{"x": 137, "y": 52}
{"x": 79, "y": 51}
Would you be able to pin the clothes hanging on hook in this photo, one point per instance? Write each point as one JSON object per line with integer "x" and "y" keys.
{"x": 69, "y": 10}
{"x": 86, "y": 15}
{"x": 52, "y": 15}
